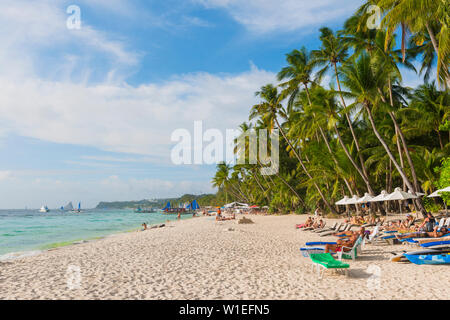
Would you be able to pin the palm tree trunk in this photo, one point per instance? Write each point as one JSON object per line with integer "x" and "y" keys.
{"x": 332, "y": 210}
{"x": 402, "y": 137}
{"x": 432, "y": 37}
{"x": 350, "y": 125}
{"x": 349, "y": 156}
{"x": 291, "y": 188}
{"x": 261, "y": 187}
{"x": 334, "y": 158}
{"x": 440, "y": 139}
{"x": 391, "y": 156}
{"x": 436, "y": 49}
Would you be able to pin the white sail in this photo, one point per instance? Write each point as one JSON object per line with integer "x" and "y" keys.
{"x": 68, "y": 207}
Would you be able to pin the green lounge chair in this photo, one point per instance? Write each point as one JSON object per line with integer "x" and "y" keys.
{"x": 325, "y": 261}
{"x": 353, "y": 252}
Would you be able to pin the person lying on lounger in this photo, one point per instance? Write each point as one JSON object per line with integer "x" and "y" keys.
{"x": 307, "y": 224}
{"x": 423, "y": 234}
{"x": 318, "y": 224}
{"x": 350, "y": 233}
{"x": 347, "y": 243}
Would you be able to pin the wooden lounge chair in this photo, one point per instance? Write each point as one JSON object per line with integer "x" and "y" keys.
{"x": 327, "y": 229}
{"x": 340, "y": 228}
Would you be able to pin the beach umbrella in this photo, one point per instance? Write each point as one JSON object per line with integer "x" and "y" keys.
{"x": 367, "y": 197}
{"x": 437, "y": 194}
{"x": 381, "y": 197}
{"x": 419, "y": 194}
{"x": 353, "y": 200}
{"x": 444, "y": 190}
{"x": 399, "y": 194}
{"x": 343, "y": 201}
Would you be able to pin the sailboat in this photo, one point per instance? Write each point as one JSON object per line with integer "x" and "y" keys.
{"x": 79, "y": 208}
{"x": 67, "y": 207}
{"x": 44, "y": 209}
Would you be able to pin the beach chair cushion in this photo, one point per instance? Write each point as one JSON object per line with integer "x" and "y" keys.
{"x": 326, "y": 260}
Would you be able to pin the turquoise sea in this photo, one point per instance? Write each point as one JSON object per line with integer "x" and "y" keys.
{"x": 24, "y": 232}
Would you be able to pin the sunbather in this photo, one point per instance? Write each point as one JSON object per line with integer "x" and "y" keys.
{"x": 347, "y": 243}
{"x": 350, "y": 233}
{"x": 307, "y": 224}
{"x": 318, "y": 224}
{"x": 428, "y": 223}
{"x": 423, "y": 234}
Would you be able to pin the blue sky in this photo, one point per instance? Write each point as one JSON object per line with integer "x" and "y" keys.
{"x": 87, "y": 114}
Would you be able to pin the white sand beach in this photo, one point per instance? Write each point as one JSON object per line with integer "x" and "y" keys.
{"x": 204, "y": 259}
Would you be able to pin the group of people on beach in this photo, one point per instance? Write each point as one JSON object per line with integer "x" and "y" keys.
{"x": 427, "y": 229}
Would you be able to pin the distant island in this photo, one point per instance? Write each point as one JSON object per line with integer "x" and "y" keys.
{"x": 203, "y": 200}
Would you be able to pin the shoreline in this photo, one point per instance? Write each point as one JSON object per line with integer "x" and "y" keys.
{"x": 200, "y": 258}
{"x": 44, "y": 247}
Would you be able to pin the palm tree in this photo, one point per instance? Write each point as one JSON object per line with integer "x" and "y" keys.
{"x": 430, "y": 108}
{"x": 297, "y": 75}
{"x": 268, "y": 109}
{"x": 363, "y": 81}
{"x": 416, "y": 16}
{"x": 332, "y": 52}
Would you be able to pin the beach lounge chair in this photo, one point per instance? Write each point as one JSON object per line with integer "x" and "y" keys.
{"x": 354, "y": 251}
{"x": 325, "y": 229}
{"x": 325, "y": 261}
{"x": 373, "y": 237}
{"x": 333, "y": 229}
{"x": 342, "y": 227}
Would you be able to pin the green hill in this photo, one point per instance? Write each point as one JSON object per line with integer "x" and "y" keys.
{"x": 203, "y": 200}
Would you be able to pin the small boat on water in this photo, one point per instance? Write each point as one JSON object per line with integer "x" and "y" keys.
{"x": 44, "y": 209}
{"x": 187, "y": 208}
{"x": 144, "y": 210}
{"x": 79, "y": 208}
{"x": 67, "y": 207}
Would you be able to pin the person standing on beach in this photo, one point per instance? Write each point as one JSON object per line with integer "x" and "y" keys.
{"x": 179, "y": 215}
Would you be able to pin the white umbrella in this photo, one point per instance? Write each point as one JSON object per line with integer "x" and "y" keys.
{"x": 353, "y": 200}
{"x": 342, "y": 201}
{"x": 419, "y": 194}
{"x": 444, "y": 190}
{"x": 235, "y": 204}
{"x": 437, "y": 194}
{"x": 399, "y": 194}
{"x": 367, "y": 197}
{"x": 381, "y": 197}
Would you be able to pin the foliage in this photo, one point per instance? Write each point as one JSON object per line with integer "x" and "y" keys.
{"x": 363, "y": 132}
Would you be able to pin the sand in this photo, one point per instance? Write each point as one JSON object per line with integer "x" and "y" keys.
{"x": 204, "y": 259}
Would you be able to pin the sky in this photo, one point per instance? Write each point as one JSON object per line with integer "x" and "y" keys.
{"x": 87, "y": 114}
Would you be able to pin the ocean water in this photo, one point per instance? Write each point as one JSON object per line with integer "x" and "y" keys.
{"x": 26, "y": 232}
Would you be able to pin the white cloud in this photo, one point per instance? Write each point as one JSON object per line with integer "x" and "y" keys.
{"x": 4, "y": 175}
{"x": 263, "y": 16}
{"x": 28, "y": 29}
{"x": 123, "y": 118}
{"x": 108, "y": 114}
